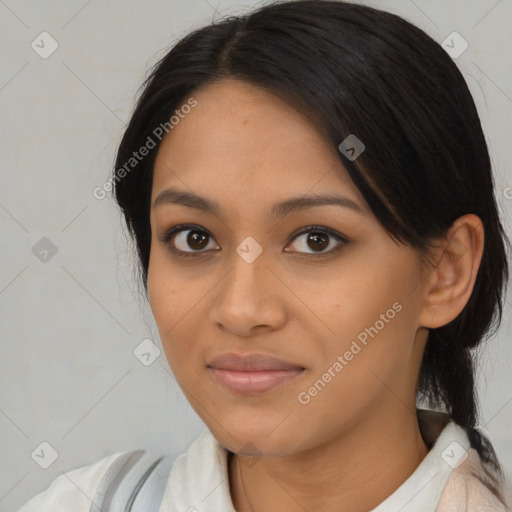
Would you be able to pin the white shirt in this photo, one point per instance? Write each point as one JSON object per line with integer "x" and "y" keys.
{"x": 199, "y": 479}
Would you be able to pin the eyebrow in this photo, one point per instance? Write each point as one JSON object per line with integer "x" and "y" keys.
{"x": 280, "y": 209}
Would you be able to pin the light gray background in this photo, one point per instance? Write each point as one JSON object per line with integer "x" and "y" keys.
{"x": 69, "y": 326}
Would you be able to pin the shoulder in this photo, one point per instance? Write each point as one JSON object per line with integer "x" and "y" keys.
{"x": 73, "y": 490}
{"x": 467, "y": 490}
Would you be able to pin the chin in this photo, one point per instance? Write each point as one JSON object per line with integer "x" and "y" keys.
{"x": 254, "y": 436}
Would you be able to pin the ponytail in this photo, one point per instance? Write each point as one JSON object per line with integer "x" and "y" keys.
{"x": 447, "y": 381}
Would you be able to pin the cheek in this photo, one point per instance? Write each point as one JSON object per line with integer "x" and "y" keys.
{"x": 167, "y": 299}
{"x": 353, "y": 299}
{"x": 362, "y": 364}
{"x": 367, "y": 307}
{"x": 169, "y": 293}
{"x": 175, "y": 301}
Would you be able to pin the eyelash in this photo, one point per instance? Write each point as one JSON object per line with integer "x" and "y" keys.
{"x": 166, "y": 237}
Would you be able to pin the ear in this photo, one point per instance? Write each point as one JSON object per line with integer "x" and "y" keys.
{"x": 450, "y": 282}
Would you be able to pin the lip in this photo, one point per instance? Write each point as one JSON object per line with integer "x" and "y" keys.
{"x": 251, "y": 362}
{"x": 252, "y": 374}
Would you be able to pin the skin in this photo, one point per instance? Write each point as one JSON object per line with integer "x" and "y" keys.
{"x": 358, "y": 439}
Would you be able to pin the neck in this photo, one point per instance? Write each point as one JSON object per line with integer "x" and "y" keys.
{"x": 355, "y": 470}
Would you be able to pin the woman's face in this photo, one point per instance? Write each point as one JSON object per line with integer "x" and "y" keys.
{"x": 254, "y": 278}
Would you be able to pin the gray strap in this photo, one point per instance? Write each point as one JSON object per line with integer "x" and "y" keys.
{"x": 149, "y": 496}
{"x": 121, "y": 465}
{"x": 123, "y": 480}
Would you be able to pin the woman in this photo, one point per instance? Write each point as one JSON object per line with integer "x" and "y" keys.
{"x": 311, "y": 198}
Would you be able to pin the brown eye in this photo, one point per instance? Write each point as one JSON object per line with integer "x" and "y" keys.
{"x": 317, "y": 239}
{"x": 197, "y": 240}
{"x": 191, "y": 240}
{"x": 188, "y": 240}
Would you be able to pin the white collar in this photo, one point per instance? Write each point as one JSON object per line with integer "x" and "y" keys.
{"x": 199, "y": 479}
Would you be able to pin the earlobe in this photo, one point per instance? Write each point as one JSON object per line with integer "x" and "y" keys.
{"x": 452, "y": 279}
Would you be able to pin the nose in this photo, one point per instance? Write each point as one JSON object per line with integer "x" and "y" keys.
{"x": 249, "y": 298}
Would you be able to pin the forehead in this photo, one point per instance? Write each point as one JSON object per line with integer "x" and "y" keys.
{"x": 246, "y": 143}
